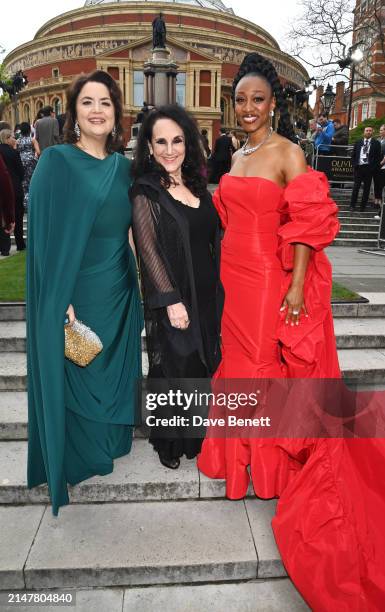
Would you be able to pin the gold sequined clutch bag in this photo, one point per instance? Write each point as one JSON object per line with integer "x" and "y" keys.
{"x": 81, "y": 343}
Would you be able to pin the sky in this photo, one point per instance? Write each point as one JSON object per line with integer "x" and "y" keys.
{"x": 25, "y": 17}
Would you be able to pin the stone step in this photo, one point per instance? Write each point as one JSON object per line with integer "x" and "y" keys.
{"x": 138, "y": 544}
{"x": 345, "y": 208}
{"x": 351, "y": 333}
{"x": 11, "y": 311}
{"x": 354, "y": 242}
{"x": 368, "y": 220}
{"x": 364, "y": 365}
{"x": 137, "y": 477}
{"x": 13, "y": 336}
{"x": 13, "y": 415}
{"x": 357, "y": 234}
{"x": 13, "y": 367}
{"x": 360, "y": 333}
{"x": 359, "y": 227}
{"x": 277, "y": 595}
{"x": 13, "y": 372}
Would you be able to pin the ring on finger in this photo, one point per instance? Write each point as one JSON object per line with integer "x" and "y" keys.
{"x": 295, "y": 312}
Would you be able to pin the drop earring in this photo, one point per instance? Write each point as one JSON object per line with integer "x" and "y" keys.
{"x": 113, "y": 132}
{"x": 77, "y": 130}
{"x": 271, "y": 114}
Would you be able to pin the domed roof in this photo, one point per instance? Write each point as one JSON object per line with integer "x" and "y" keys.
{"x": 210, "y": 4}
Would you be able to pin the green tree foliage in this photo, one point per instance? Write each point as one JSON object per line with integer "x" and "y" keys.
{"x": 358, "y": 131}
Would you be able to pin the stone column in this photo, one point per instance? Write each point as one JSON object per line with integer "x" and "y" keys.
{"x": 213, "y": 92}
{"x": 161, "y": 72}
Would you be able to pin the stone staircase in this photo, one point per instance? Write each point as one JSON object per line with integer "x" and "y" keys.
{"x": 144, "y": 537}
{"x": 358, "y": 229}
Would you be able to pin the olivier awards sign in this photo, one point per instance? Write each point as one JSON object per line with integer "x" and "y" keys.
{"x": 337, "y": 168}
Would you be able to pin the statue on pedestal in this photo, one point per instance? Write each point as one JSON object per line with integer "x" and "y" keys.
{"x": 159, "y": 33}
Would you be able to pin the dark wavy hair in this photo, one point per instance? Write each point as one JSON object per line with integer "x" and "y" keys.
{"x": 256, "y": 65}
{"x": 194, "y": 162}
{"x": 99, "y": 76}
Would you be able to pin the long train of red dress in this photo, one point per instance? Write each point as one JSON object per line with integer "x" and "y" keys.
{"x": 329, "y": 523}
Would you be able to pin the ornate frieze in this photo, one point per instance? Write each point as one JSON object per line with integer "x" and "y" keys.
{"x": 65, "y": 52}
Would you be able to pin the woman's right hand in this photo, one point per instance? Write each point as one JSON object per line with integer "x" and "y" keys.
{"x": 71, "y": 314}
{"x": 178, "y": 316}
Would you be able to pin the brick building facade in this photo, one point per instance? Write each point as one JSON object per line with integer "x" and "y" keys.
{"x": 369, "y": 28}
{"x": 206, "y": 39}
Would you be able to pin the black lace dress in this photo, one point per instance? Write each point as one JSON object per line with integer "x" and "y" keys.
{"x": 178, "y": 249}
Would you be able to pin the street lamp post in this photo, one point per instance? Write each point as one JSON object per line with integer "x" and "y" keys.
{"x": 328, "y": 99}
{"x": 354, "y": 57}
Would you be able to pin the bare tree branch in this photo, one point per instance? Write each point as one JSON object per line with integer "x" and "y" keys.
{"x": 321, "y": 37}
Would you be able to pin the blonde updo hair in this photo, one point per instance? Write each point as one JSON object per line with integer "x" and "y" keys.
{"x": 4, "y": 135}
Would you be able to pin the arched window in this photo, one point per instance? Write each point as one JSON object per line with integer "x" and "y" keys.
{"x": 27, "y": 113}
{"x": 181, "y": 88}
{"x": 56, "y": 103}
{"x": 39, "y": 104}
{"x": 138, "y": 88}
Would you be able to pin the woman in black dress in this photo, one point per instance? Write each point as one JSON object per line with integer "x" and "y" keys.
{"x": 176, "y": 230}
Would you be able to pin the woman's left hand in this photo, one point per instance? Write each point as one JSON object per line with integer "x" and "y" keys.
{"x": 294, "y": 302}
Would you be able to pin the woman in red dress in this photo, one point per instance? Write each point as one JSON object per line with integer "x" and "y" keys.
{"x": 277, "y": 322}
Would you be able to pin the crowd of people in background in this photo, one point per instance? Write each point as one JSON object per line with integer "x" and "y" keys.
{"x": 21, "y": 148}
{"x": 326, "y": 137}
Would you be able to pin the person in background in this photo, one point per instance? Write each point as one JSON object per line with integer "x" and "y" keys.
{"x": 221, "y": 156}
{"x": 307, "y": 143}
{"x": 39, "y": 115}
{"x": 12, "y": 160}
{"x": 47, "y": 129}
{"x": 29, "y": 150}
{"x": 205, "y": 141}
{"x": 7, "y": 209}
{"x": 366, "y": 158}
{"x": 379, "y": 176}
{"x": 16, "y": 131}
{"x": 61, "y": 120}
{"x": 340, "y": 137}
{"x": 324, "y": 135}
{"x": 234, "y": 140}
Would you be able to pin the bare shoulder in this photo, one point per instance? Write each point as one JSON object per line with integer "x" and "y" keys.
{"x": 293, "y": 160}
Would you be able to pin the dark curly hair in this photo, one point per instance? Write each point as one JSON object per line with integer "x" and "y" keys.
{"x": 194, "y": 162}
{"x": 254, "y": 64}
{"x": 98, "y": 76}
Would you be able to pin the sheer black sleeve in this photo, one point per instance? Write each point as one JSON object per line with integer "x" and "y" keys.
{"x": 160, "y": 290}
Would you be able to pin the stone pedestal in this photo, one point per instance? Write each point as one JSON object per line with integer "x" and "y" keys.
{"x": 160, "y": 78}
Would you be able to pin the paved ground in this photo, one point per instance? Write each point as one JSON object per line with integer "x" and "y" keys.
{"x": 357, "y": 271}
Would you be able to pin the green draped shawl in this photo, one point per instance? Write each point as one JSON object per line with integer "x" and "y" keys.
{"x": 66, "y": 193}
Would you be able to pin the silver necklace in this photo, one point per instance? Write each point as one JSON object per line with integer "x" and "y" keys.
{"x": 251, "y": 150}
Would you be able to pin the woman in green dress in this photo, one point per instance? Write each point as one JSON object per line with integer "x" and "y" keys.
{"x": 80, "y": 264}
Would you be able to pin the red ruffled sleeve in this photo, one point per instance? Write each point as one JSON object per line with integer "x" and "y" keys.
{"x": 309, "y": 216}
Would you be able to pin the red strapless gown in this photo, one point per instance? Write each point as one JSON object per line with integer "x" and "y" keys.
{"x": 329, "y": 524}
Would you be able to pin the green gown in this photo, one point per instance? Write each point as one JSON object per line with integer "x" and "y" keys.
{"x": 80, "y": 419}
